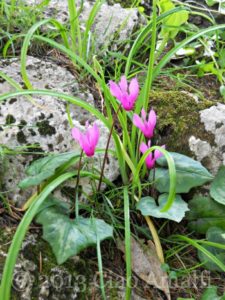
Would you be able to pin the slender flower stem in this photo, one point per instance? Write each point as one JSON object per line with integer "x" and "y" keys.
{"x": 106, "y": 150}
{"x": 153, "y": 191}
{"x": 77, "y": 183}
{"x": 155, "y": 237}
{"x": 138, "y": 147}
{"x": 156, "y": 240}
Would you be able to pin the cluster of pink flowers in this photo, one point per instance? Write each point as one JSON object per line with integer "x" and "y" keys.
{"x": 127, "y": 95}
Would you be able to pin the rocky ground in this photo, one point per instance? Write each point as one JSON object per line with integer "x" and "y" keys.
{"x": 188, "y": 123}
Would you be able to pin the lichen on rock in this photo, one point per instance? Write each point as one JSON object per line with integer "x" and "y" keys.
{"x": 41, "y": 122}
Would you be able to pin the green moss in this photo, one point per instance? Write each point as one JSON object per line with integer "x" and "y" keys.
{"x": 44, "y": 128}
{"x": 178, "y": 119}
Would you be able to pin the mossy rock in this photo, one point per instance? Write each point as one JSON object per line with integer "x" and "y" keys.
{"x": 179, "y": 119}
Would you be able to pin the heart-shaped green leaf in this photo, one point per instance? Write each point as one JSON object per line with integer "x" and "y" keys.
{"x": 68, "y": 237}
{"x": 148, "y": 207}
{"x": 205, "y": 213}
{"x": 44, "y": 168}
{"x": 215, "y": 235}
{"x": 217, "y": 190}
{"x": 190, "y": 173}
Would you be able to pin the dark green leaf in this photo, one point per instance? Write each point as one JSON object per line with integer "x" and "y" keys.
{"x": 68, "y": 237}
{"x": 44, "y": 168}
{"x": 205, "y": 213}
{"x": 215, "y": 235}
{"x": 190, "y": 173}
{"x": 53, "y": 201}
{"x": 176, "y": 213}
{"x": 211, "y": 294}
{"x": 217, "y": 190}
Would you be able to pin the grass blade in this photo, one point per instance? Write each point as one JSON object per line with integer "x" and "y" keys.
{"x": 127, "y": 243}
{"x": 26, "y": 44}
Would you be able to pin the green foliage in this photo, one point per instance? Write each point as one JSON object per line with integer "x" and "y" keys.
{"x": 215, "y": 235}
{"x": 221, "y": 60}
{"x": 211, "y": 293}
{"x": 148, "y": 207}
{"x": 171, "y": 25}
{"x": 67, "y": 236}
{"x": 221, "y": 3}
{"x": 44, "y": 168}
{"x": 222, "y": 91}
{"x": 217, "y": 189}
{"x": 205, "y": 213}
{"x": 211, "y": 2}
{"x": 209, "y": 67}
{"x": 190, "y": 173}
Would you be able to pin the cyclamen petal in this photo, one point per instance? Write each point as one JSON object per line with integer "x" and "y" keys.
{"x": 134, "y": 89}
{"x": 87, "y": 140}
{"x": 152, "y": 157}
{"x": 85, "y": 145}
{"x": 123, "y": 84}
{"x": 150, "y": 162}
{"x": 143, "y": 114}
{"x": 76, "y": 134}
{"x": 152, "y": 118}
{"x": 115, "y": 90}
{"x": 146, "y": 126}
{"x": 143, "y": 147}
{"x": 126, "y": 94}
{"x": 158, "y": 153}
{"x": 95, "y": 134}
{"x": 138, "y": 122}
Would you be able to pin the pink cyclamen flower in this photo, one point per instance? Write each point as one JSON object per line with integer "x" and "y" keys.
{"x": 87, "y": 140}
{"x": 152, "y": 157}
{"x": 147, "y": 126}
{"x": 126, "y": 94}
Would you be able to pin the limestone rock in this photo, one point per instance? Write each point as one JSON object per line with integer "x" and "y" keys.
{"x": 213, "y": 119}
{"x": 39, "y": 124}
{"x": 112, "y": 24}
